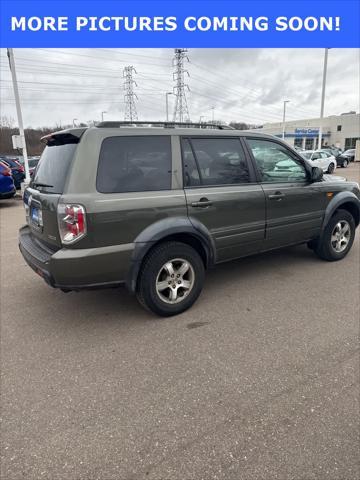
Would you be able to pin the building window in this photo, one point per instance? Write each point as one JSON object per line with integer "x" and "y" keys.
{"x": 338, "y": 128}
{"x": 298, "y": 142}
{"x": 309, "y": 144}
{"x": 350, "y": 142}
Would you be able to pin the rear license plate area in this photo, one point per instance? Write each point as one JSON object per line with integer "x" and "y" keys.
{"x": 36, "y": 217}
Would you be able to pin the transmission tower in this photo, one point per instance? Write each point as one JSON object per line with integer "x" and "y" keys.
{"x": 181, "y": 111}
{"x": 130, "y": 96}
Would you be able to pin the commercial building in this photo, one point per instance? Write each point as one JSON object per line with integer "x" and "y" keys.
{"x": 339, "y": 130}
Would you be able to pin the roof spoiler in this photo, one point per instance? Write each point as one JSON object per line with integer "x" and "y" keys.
{"x": 63, "y": 137}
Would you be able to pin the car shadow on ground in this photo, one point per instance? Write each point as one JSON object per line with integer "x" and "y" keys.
{"x": 118, "y": 306}
{"x": 10, "y": 202}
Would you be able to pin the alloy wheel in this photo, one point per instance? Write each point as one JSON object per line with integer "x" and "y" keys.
{"x": 175, "y": 280}
{"x": 340, "y": 236}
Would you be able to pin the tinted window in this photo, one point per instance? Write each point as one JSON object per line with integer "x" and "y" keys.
{"x": 33, "y": 163}
{"x": 275, "y": 163}
{"x": 191, "y": 173}
{"x": 134, "y": 164}
{"x": 53, "y": 167}
{"x": 220, "y": 161}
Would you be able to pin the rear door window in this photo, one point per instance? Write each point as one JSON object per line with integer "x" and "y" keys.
{"x": 217, "y": 161}
{"x": 53, "y": 167}
{"x": 134, "y": 164}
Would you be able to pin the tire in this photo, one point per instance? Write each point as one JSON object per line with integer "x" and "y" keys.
{"x": 326, "y": 248}
{"x": 152, "y": 290}
{"x": 331, "y": 168}
{"x": 345, "y": 164}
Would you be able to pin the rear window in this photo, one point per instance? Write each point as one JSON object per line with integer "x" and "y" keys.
{"x": 53, "y": 166}
{"x": 134, "y": 164}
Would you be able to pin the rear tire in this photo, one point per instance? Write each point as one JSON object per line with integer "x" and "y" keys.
{"x": 345, "y": 164}
{"x": 337, "y": 238}
{"x": 171, "y": 279}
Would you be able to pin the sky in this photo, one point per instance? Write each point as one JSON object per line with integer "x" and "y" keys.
{"x": 59, "y": 86}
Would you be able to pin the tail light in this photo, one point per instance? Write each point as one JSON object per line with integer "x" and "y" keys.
{"x": 72, "y": 222}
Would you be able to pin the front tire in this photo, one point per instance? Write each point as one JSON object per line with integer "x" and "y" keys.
{"x": 171, "y": 279}
{"x": 331, "y": 168}
{"x": 337, "y": 238}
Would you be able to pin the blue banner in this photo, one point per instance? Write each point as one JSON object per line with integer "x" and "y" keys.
{"x": 114, "y": 23}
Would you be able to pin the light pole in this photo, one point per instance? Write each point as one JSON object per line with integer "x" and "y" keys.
{"x": 323, "y": 96}
{"x": 284, "y": 115}
{"x": 102, "y": 116}
{"x": 74, "y": 120}
{"x": 10, "y": 54}
{"x": 167, "y": 104}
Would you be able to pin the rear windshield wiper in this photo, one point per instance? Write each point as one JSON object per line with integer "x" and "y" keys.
{"x": 39, "y": 184}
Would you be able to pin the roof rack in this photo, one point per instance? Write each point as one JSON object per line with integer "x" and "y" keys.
{"x": 145, "y": 123}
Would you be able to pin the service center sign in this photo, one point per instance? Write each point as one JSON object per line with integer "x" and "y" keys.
{"x": 303, "y": 132}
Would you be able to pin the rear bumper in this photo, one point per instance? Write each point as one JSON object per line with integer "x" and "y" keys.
{"x": 8, "y": 194}
{"x": 75, "y": 269}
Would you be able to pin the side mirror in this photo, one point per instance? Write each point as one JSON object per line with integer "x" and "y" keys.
{"x": 316, "y": 174}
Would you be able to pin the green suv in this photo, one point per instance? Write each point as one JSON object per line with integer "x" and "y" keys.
{"x": 155, "y": 205}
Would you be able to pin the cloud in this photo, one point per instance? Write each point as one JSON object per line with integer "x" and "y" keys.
{"x": 247, "y": 85}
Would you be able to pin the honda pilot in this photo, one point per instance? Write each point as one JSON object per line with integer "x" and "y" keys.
{"x": 153, "y": 206}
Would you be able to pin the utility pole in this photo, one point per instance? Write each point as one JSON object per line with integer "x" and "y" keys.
{"x": 323, "y": 97}
{"x": 10, "y": 54}
{"x": 167, "y": 104}
{"x": 129, "y": 82}
{"x": 181, "y": 111}
{"x": 284, "y": 115}
{"x": 102, "y": 116}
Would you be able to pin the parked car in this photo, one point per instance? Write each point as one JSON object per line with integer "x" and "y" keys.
{"x": 33, "y": 161}
{"x": 17, "y": 170}
{"x": 342, "y": 161}
{"x": 7, "y": 187}
{"x": 154, "y": 208}
{"x": 320, "y": 158}
{"x": 349, "y": 155}
{"x": 333, "y": 150}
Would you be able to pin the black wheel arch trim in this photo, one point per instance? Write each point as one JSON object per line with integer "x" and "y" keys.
{"x": 161, "y": 230}
{"x": 341, "y": 199}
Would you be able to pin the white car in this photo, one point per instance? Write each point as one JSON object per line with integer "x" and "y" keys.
{"x": 320, "y": 158}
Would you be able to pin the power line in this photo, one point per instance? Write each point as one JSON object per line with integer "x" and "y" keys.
{"x": 181, "y": 110}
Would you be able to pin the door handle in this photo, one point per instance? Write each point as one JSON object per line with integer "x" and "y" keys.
{"x": 277, "y": 196}
{"x": 202, "y": 203}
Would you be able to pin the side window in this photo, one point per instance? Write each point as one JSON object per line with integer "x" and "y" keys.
{"x": 134, "y": 164}
{"x": 220, "y": 161}
{"x": 275, "y": 163}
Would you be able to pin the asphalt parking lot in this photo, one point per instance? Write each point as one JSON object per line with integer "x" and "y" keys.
{"x": 259, "y": 380}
